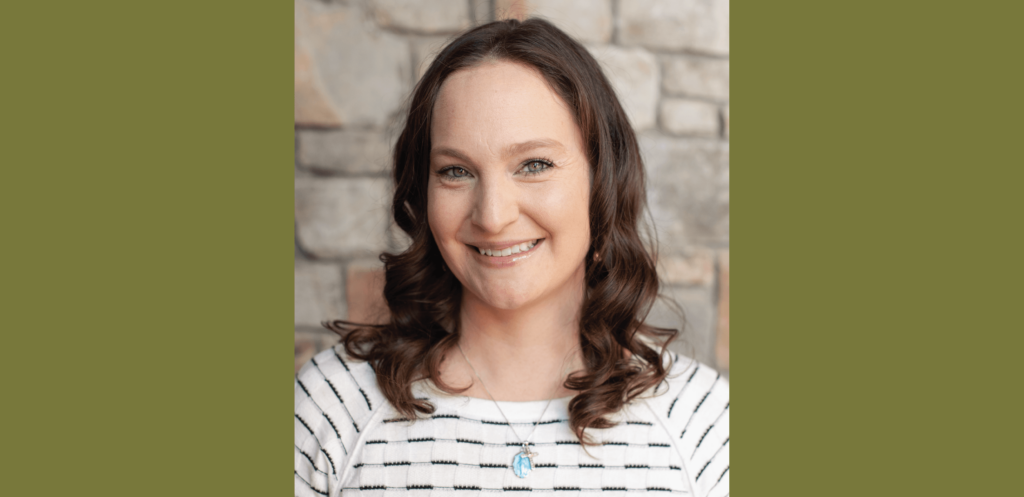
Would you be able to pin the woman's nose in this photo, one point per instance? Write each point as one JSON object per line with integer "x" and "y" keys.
{"x": 497, "y": 205}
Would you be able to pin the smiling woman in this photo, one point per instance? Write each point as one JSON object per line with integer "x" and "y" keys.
{"x": 517, "y": 355}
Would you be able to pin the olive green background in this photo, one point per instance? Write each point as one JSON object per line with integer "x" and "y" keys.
{"x": 147, "y": 218}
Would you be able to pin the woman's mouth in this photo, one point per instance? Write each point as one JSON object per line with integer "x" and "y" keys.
{"x": 510, "y": 250}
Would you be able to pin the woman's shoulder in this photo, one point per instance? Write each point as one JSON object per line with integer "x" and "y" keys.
{"x": 689, "y": 385}
{"x": 335, "y": 394}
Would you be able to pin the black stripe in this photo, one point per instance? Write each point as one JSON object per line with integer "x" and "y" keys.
{"x": 642, "y": 423}
{"x": 505, "y": 466}
{"x": 336, "y": 394}
{"x": 658, "y": 489}
{"x": 394, "y": 420}
{"x": 702, "y": 470}
{"x": 615, "y": 443}
{"x": 512, "y": 489}
{"x": 332, "y": 425}
{"x": 304, "y": 424}
{"x": 303, "y": 387}
{"x": 324, "y": 414}
{"x": 489, "y": 422}
{"x": 695, "y": 409}
{"x": 414, "y": 440}
{"x": 464, "y": 441}
{"x": 310, "y": 459}
{"x": 714, "y": 455}
{"x": 713, "y": 423}
{"x": 658, "y": 445}
{"x": 717, "y": 482}
{"x": 310, "y": 485}
{"x": 371, "y": 442}
{"x": 365, "y": 397}
{"x": 328, "y": 456}
{"x": 681, "y": 390}
{"x": 419, "y": 487}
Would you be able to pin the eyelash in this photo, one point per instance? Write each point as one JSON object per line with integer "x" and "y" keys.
{"x": 444, "y": 172}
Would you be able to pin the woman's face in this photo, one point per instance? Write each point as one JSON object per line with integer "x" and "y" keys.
{"x": 508, "y": 175}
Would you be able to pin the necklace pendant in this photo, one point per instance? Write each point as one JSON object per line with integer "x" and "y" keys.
{"x": 522, "y": 463}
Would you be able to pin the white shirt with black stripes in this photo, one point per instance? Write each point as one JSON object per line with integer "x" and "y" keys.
{"x": 349, "y": 440}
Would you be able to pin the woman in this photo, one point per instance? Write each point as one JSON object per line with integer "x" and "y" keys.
{"x": 515, "y": 356}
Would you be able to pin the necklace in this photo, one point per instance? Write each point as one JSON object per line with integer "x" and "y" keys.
{"x": 522, "y": 463}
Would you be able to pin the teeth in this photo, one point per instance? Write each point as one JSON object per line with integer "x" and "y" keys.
{"x": 515, "y": 249}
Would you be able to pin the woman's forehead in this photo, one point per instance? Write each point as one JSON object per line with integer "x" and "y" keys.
{"x": 497, "y": 105}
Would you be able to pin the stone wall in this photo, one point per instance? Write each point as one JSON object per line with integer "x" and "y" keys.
{"x": 355, "y": 64}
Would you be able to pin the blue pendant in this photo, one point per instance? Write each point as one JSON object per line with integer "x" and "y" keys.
{"x": 522, "y": 464}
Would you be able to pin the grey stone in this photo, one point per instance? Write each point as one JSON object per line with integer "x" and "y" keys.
{"x": 424, "y": 50}
{"x": 725, "y": 120}
{"x": 696, "y": 77}
{"x": 688, "y": 190}
{"x": 694, "y": 269}
{"x": 364, "y": 71}
{"x": 700, "y": 26}
{"x": 634, "y": 75}
{"x": 319, "y": 294}
{"x": 696, "y": 321}
{"x": 480, "y": 11}
{"x": 342, "y": 217}
{"x": 422, "y": 16}
{"x": 689, "y": 117}
{"x": 345, "y": 151}
{"x": 588, "y": 21}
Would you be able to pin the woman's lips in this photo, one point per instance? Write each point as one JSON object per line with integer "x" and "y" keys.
{"x": 510, "y": 254}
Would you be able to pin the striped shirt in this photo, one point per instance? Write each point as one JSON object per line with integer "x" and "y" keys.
{"x": 348, "y": 439}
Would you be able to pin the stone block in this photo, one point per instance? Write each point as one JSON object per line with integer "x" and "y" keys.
{"x": 312, "y": 106}
{"x": 345, "y": 151}
{"x": 689, "y": 117}
{"x": 364, "y": 71}
{"x": 364, "y": 290}
{"x": 696, "y": 321}
{"x": 341, "y": 217}
{"x": 725, "y": 120}
{"x": 695, "y": 77}
{"x": 318, "y": 293}
{"x": 634, "y": 74}
{"x": 481, "y": 11}
{"x": 424, "y": 51}
{"x": 422, "y": 16}
{"x": 588, "y": 21}
{"x": 688, "y": 189}
{"x": 699, "y": 26}
{"x": 722, "y": 335}
{"x": 695, "y": 269}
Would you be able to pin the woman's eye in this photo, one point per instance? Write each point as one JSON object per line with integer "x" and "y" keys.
{"x": 454, "y": 172}
{"x": 535, "y": 166}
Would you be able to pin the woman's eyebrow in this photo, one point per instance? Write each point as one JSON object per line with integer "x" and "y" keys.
{"x": 510, "y": 151}
{"x": 519, "y": 148}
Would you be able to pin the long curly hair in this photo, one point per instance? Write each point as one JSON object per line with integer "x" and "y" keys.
{"x": 622, "y": 356}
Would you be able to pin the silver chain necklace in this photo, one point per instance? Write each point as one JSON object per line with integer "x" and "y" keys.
{"x": 522, "y": 463}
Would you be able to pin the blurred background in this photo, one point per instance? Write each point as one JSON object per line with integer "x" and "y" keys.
{"x": 356, "y": 62}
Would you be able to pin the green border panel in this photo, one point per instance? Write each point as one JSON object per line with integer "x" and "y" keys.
{"x": 147, "y": 205}
{"x": 876, "y": 242}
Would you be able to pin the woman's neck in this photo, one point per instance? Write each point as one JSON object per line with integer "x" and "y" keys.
{"x": 522, "y": 354}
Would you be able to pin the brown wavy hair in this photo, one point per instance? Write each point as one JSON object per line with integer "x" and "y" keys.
{"x": 622, "y": 356}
